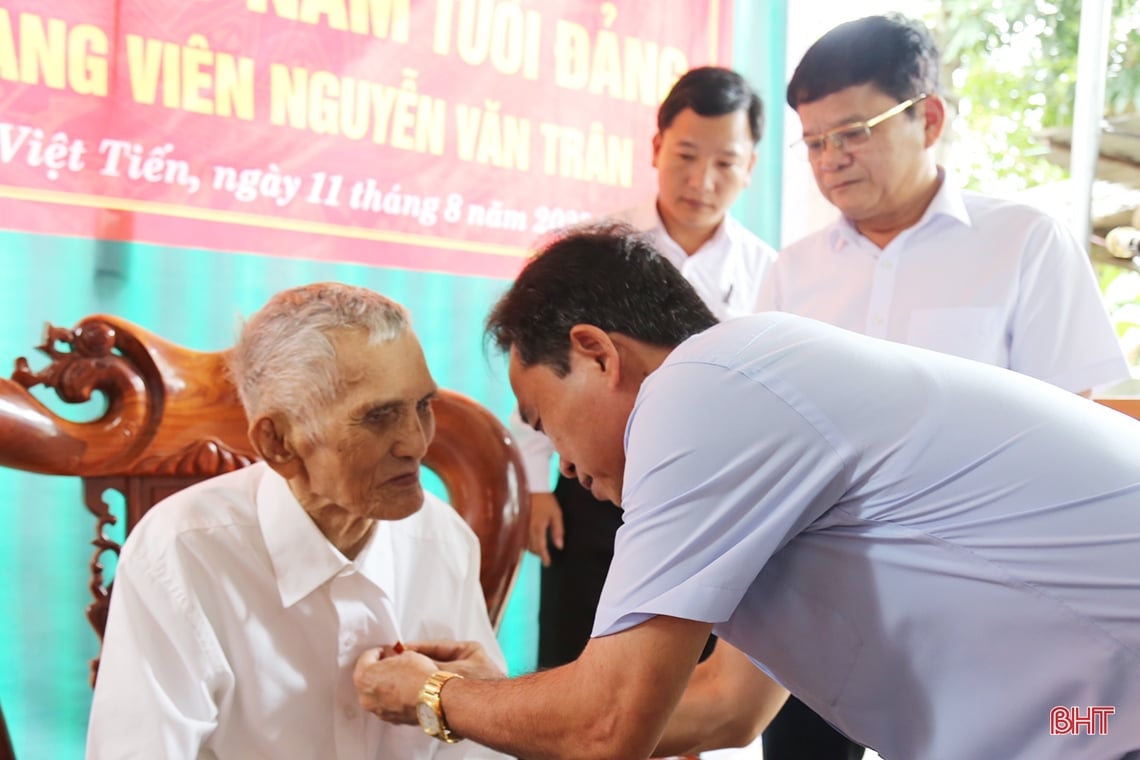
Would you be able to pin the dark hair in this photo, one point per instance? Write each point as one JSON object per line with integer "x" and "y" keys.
{"x": 712, "y": 91}
{"x": 605, "y": 275}
{"x": 894, "y": 53}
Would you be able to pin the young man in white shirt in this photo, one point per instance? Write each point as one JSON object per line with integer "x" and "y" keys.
{"x": 704, "y": 152}
{"x": 241, "y": 604}
{"x": 916, "y": 260}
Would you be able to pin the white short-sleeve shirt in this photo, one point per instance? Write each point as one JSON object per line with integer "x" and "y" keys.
{"x": 727, "y": 271}
{"x": 931, "y": 553}
{"x": 979, "y": 277}
{"x": 235, "y": 626}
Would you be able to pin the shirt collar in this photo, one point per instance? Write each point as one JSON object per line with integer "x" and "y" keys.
{"x": 644, "y": 218}
{"x": 303, "y": 559}
{"x": 647, "y": 218}
{"x": 948, "y": 202}
{"x": 726, "y": 233}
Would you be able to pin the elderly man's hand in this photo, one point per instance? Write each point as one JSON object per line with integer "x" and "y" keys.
{"x": 388, "y": 684}
{"x": 467, "y": 658}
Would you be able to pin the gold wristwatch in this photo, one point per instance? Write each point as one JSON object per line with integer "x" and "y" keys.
{"x": 429, "y": 710}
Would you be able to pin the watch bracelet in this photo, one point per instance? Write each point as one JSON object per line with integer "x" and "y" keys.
{"x": 434, "y": 687}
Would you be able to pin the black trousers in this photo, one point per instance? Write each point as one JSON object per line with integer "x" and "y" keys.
{"x": 572, "y": 585}
{"x": 797, "y": 733}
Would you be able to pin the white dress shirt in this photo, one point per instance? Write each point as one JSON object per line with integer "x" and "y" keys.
{"x": 932, "y": 569}
{"x": 987, "y": 279}
{"x": 235, "y": 626}
{"x": 727, "y": 272}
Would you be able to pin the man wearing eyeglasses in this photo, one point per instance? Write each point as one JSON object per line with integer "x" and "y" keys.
{"x": 915, "y": 259}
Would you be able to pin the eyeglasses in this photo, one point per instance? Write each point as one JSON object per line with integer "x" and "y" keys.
{"x": 849, "y": 136}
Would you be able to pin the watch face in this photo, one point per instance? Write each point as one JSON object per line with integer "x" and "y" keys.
{"x": 429, "y": 721}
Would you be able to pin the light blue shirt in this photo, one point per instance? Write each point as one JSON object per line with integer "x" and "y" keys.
{"x": 930, "y": 552}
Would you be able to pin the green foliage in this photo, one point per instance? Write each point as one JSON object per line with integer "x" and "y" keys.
{"x": 1010, "y": 67}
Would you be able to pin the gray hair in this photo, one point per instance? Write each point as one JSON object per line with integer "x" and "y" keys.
{"x": 284, "y": 360}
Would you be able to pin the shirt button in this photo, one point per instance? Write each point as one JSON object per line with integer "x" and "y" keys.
{"x": 350, "y": 712}
{"x": 887, "y": 264}
{"x": 878, "y": 320}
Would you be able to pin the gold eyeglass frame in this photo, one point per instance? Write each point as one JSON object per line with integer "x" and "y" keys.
{"x": 813, "y": 144}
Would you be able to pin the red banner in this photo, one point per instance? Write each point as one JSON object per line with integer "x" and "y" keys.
{"x": 425, "y": 134}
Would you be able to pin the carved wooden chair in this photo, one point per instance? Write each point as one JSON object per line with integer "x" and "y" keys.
{"x": 173, "y": 418}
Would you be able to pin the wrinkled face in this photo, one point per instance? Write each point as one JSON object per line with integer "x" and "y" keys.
{"x": 882, "y": 175}
{"x": 584, "y": 417}
{"x": 366, "y": 460}
{"x": 703, "y": 162}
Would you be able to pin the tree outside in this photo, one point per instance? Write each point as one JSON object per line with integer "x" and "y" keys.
{"x": 1011, "y": 70}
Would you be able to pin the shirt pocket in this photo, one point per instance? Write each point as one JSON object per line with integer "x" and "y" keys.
{"x": 736, "y": 300}
{"x": 976, "y": 333}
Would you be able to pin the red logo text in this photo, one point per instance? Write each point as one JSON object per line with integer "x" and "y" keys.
{"x": 1072, "y": 720}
